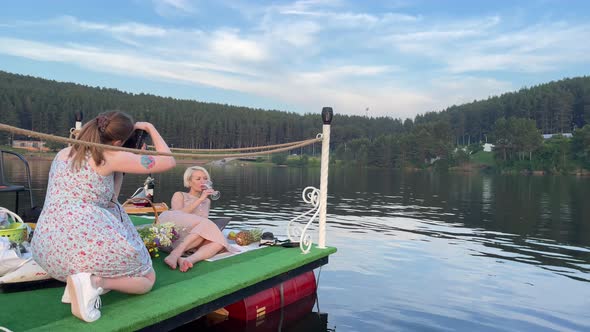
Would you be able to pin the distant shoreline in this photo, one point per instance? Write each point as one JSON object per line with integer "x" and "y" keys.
{"x": 49, "y": 155}
{"x": 469, "y": 167}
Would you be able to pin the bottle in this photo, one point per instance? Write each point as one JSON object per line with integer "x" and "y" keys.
{"x": 4, "y": 222}
{"x": 149, "y": 188}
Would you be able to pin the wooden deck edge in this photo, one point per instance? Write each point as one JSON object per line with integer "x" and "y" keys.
{"x": 199, "y": 311}
{"x": 174, "y": 313}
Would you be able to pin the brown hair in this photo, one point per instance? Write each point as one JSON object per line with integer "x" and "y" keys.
{"x": 106, "y": 128}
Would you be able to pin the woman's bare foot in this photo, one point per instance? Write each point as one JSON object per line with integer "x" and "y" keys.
{"x": 184, "y": 264}
{"x": 171, "y": 260}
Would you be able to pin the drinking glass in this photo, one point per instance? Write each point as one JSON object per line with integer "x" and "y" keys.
{"x": 216, "y": 194}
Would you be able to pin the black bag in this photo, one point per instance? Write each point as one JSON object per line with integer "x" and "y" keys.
{"x": 31, "y": 214}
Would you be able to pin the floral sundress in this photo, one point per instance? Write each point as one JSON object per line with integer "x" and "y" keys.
{"x": 82, "y": 230}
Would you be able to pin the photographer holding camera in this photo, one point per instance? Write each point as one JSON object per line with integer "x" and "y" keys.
{"x": 83, "y": 235}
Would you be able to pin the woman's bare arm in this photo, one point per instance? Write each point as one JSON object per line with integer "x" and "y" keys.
{"x": 127, "y": 162}
{"x": 118, "y": 179}
{"x": 178, "y": 203}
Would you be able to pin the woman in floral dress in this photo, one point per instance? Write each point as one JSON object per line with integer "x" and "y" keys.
{"x": 83, "y": 235}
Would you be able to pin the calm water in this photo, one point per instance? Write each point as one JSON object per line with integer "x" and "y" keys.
{"x": 422, "y": 251}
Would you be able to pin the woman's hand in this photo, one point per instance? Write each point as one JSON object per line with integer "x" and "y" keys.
{"x": 128, "y": 162}
{"x": 144, "y": 126}
{"x": 206, "y": 192}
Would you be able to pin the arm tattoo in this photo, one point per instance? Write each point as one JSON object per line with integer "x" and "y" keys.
{"x": 148, "y": 161}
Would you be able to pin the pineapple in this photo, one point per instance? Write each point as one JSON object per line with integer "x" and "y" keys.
{"x": 244, "y": 238}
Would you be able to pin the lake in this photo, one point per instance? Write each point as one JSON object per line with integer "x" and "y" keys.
{"x": 421, "y": 251}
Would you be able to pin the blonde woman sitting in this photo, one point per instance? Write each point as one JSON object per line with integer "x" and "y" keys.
{"x": 190, "y": 213}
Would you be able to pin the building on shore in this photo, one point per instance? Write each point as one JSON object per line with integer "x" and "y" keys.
{"x": 566, "y": 135}
{"x": 30, "y": 145}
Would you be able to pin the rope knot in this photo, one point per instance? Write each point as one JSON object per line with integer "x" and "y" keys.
{"x": 102, "y": 121}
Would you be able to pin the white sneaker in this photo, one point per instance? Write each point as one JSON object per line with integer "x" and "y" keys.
{"x": 65, "y": 298}
{"x": 85, "y": 298}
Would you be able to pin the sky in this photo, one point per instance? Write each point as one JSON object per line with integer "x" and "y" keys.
{"x": 395, "y": 58}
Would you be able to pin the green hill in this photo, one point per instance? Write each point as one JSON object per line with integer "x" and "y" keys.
{"x": 49, "y": 106}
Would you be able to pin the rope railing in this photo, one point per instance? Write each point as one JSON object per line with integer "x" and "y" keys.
{"x": 277, "y": 147}
{"x": 237, "y": 149}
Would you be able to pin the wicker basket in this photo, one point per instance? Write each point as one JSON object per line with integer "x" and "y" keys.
{"x": 147, "y": 203}
{"x": 18, "y": 231}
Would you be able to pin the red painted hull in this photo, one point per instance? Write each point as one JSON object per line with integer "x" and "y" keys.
{"x": 272, "y": 299}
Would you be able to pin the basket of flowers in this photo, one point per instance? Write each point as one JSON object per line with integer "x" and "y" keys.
{"x": 157, "y": 237}
{"x": 12, "y": 226}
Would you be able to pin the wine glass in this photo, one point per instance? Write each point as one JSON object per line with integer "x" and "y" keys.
{"x": 209, "y": 185}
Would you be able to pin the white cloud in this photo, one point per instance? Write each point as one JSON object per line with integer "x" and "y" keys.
{"x": 499, "y": 62}
{"x": 329, "y": 16}
{"x": 297, "y": 34}
{"x": 308, "y": 91}
{"x": 170, "y": 8}
{"x": 228, "y": 44}
{"x": 436, "y": 39}
{"x": 400, "y": 18}
{"x": 454, "y": 90}
{"x": 178, "y": 4}
{"x": 307, "y": 7}
{"x": 471, "y": 46}
{"x": 130, "y": 28}
{"x": 338, "y": 74}
{"x": 311, "y": 53}
{"x": 535, "y": 49}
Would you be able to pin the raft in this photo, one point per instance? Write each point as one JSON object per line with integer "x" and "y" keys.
{"x": 176, "y": 299}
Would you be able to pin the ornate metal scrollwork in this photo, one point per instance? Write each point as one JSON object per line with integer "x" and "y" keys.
{"x": 297, "y": 231}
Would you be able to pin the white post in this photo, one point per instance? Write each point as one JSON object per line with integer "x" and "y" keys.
{"x": 79, "y": 120}
{"x": 74, "y": 132}
{"x": 327, "y": 114}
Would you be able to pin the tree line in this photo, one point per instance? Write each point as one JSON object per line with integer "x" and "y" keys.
{"x": 519, "y": 146}
{"x": 557, "y": 107}
{"x": 514, "y": 122}
{"x": 49, "y": 107}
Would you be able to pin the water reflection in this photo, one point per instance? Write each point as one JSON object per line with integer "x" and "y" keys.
{"x": 298, "y": 316}
{"x": 424, "y": 251}
{"x": 486, "y": 194}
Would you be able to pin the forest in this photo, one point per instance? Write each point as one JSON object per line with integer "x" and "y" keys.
{"x": 513, "y": 121}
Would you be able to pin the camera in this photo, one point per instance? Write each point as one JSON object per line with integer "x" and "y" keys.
{"x": 136, "y": 140}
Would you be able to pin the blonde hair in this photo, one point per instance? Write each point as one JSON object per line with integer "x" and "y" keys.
{"x": 189, "y": 172}
{"x": 106, "y": 128}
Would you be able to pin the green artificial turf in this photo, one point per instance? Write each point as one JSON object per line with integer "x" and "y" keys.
{"x": 174, "y": 292}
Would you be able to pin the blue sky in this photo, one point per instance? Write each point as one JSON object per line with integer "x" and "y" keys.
{"x": 394, "y": 58}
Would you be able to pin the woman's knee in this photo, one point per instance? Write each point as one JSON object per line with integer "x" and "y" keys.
{"x": 214, "y": 245}
{"x": 151, "y": 276}
{"x": 151, "y": 280}
{"x": 192, "y": 237}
